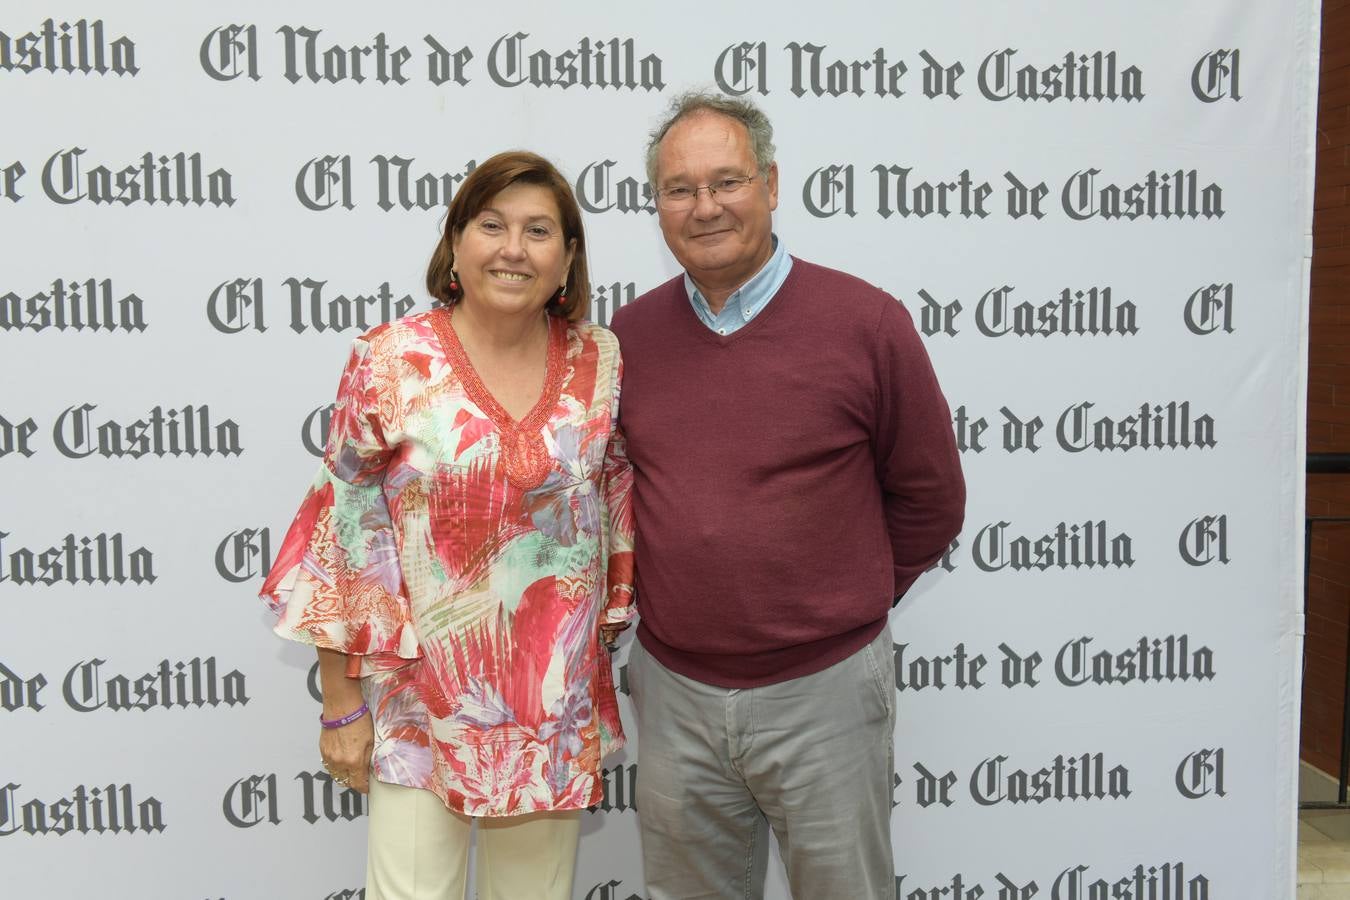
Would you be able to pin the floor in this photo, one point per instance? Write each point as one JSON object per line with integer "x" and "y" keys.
{"x": 1323, "y": 840}
{"x": 1324, "y": 855}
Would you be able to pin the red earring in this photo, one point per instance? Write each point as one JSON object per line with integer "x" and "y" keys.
{"x": 454, "y": 281}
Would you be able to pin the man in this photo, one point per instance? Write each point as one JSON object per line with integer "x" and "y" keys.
{"x": 795, "y": 473}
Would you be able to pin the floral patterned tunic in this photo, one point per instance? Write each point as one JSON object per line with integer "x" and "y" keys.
{"x": 465, "y": 561}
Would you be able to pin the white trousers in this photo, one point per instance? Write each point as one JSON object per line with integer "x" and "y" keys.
{"x": 419, "y": 850}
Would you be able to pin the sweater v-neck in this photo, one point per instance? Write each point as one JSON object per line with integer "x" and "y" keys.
{"x": 726, "y": 340}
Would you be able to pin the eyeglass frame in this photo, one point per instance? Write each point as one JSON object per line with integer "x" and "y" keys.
{"x": 712, "y": 191}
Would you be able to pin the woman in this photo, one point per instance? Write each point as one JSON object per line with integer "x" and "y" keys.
{"x": 466, "y": 550}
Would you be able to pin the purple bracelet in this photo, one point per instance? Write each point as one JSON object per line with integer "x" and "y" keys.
{"x": 348, "y": 719}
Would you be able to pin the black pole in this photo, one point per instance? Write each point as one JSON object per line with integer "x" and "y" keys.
{"x": 1328, "y": 463}
{"x": 1345, "y": 727}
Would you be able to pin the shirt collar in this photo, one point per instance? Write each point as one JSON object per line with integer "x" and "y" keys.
{"x": 747, "y": 300}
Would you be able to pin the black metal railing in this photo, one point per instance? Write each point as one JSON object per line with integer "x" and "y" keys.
{"x": 1329, "y": 464}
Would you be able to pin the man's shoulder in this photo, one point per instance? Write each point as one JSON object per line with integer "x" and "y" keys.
{"x": 851, "y": 299}
{"x": 649, "y": 307}
{"x": 814, "y": 276}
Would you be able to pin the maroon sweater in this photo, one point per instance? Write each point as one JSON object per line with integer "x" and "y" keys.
{"x": 792, "y": 477}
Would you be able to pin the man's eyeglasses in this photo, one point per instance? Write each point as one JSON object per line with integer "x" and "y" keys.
{"x": 723, "y": 190}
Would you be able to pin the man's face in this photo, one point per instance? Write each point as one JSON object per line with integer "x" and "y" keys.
{"x": 720, "y": 241}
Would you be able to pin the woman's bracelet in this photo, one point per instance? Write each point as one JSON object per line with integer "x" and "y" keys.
{"x": 348, "y": 719}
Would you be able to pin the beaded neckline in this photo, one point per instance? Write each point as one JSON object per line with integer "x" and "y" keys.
{"x": 524, "y": 455}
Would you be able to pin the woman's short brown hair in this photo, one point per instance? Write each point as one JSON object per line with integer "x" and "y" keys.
{"x": 486, "y": 181}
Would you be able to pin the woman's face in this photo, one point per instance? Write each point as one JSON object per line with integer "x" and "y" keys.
{"x": 512, "y": 256}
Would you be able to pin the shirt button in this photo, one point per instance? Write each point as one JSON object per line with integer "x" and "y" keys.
{"x": 721, "y": 331}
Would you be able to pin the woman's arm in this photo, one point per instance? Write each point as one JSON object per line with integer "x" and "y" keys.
{"x": 345, "y": 750}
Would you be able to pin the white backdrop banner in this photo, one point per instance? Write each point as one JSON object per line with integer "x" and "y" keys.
{"x": 1098, "y": 213}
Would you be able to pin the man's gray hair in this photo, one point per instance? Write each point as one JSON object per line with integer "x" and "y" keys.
{"x": 696, "y": 101}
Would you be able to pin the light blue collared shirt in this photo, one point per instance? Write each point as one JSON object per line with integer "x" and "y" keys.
{"x": 749, "y": 299}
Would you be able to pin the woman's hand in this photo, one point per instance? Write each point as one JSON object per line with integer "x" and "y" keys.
{"x": 346, "y": 753}
{"x": 609, "y": 634}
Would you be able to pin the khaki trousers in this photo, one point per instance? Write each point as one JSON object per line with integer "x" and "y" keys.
{"x": 419, "y": 850}
{"x": 810, "y": 759}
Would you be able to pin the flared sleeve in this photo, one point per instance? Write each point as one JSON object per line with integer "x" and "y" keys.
{"x": 336, "y": 582}
{"x": 617, "y": 476}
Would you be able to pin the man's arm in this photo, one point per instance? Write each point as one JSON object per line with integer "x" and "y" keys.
{"x": 918, "y": 466}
